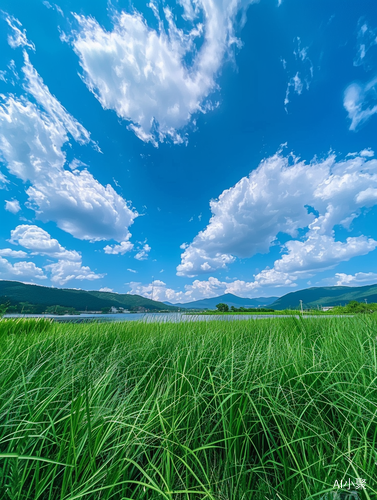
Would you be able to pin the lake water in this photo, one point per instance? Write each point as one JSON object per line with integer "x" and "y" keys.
{"x": 150, "y": 317}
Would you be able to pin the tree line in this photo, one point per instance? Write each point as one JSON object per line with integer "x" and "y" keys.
{"x": 225, "y": 308}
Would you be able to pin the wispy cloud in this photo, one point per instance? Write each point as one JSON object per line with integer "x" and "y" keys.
{"x": 53, "y": 6}
{"x": 303, "y": 73}
{"x": 143, "y": 253}
{"x": 360, "y": 99}
{"x": 18, "y": 37}
{"x": 360, "y": 102}
{"x": 75, "y": 200}
{"x": 366, "y": 45}
{"x": 142, "y": 73}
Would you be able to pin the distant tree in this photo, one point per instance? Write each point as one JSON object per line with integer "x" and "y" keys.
{"x": 4, "y": 308}
{"x": 353, "y": 305}
{"x": 222, "y": 307}
{"x": 359, "y": 307}
{"x": 27, "y": 308}
{"x": 60, "y": 310}
{"x": 233, "y": 309}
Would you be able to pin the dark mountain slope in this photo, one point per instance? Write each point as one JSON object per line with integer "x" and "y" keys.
{"x": 81, "y": 300}
{"x": 326, "y": 296}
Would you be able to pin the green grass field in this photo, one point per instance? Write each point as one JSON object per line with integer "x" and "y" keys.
{"x": 259, "y": 409}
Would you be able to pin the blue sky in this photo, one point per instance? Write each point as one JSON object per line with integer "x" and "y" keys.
{"x": 222, "y": 146}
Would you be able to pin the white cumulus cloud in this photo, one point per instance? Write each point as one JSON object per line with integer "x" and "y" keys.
{"x": 143, "y": 74}
{"x": 316, "y": 253}
{"x": 278, "y": 197}
{"x": 357, "y": 279}
{"x": 67, "y": 270}
{"x": 39, "y": 242}
{"x": 31, "y": 143}
{"x": 282, "y": 275}
{"x": 156, "y": 291}
{"x": 20, "y": 270}
{"x": 16, "y": 254}
{"x": 124, "y": 247}
{"x": 81, "y": 206}
{"x": 212, "y": 287}
{"x": 143, "y": 253}
{"x": 12, "y": 206}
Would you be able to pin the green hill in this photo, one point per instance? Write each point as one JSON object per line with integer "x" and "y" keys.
{"x": 326, "y": 296}
{"x": 81, "y": 300}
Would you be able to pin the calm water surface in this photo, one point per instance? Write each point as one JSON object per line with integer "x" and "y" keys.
{"x": 150, "y": 317}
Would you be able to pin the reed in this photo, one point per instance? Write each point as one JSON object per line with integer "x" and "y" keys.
{"x": 262, "y": 409}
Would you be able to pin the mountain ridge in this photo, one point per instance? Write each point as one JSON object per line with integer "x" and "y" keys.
{"x": 312, "y": 297}
{"x": 227, "y": 298}
{"x": 16, "y": 292}
{"x": 326, "y": 296}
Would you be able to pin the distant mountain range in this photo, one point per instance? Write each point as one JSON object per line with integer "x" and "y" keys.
{"x": 228, "y": 298}
{"x": 311, "y": 298}
{"x": 326, "y": 296}
{"x": 19, "y": 293}
{"x": 81, "y": 300}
